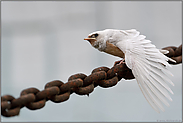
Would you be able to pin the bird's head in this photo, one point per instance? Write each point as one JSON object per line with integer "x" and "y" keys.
{"x": 105, "y": 41}
{"x": 97, "y": 39}
{"x": 92, "y": 38}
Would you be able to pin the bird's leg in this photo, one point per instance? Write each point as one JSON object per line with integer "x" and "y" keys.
{"x": 122, "y": 61}
{"x": 119, "y": 62}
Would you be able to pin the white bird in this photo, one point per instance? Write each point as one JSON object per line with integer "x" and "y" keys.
{"x": 148, "y": 64}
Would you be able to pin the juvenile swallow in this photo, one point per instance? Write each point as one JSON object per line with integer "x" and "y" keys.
{"x": 148, "y": 64}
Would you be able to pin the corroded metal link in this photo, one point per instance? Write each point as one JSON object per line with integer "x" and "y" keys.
{"x": 88, "y": 82}
{"x": 71, "y": 84}
{"x": 178, "y": 51}
{"x": 84, "y": 90}
{"x": 108, "y": 83}
{"x": 105, "y": 83}
{"x": 11, "y": 112}
{"x": 22, "y": 100}
{"x": 94, "y": 77}
{"x": 8, "y": 111}
{"x": 81, "y": 84}
{"x": 97, "y": 70}
{"x": 60, "y": 98}
{"x": 29, "y": 90}
{"x": 175, "y": 53}
{"x": 48, "y": 92}
{"x": 6, "y": 102}
{"x": 100, "y": 69}
{"x": 57, "y": 83}
{"x": 7, "y": 98}
{"x": 5, "y": 105}
{"x": 178, "y": 60}
{"x": 42, "y": 96}
{"x": 76, "y": 76}
{"x": 124, "y": 72}
{"x": 37, "y": 104}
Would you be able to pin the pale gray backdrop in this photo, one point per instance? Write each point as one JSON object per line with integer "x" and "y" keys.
{"x": 43, "y": 41}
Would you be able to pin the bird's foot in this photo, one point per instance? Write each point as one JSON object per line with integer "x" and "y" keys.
{"x": 119, "y": 62}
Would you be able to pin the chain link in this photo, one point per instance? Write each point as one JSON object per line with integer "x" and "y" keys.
{"x": 175, "y": 53}
{"x": 81, "y": 84}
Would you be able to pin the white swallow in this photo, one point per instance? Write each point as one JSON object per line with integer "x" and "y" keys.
{"x": 148, "y": 64}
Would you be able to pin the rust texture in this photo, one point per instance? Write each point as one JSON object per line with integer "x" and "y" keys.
{"x": 81, "y": 84}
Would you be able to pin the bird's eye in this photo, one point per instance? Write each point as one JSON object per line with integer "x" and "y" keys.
{"x": 94, "y": 35}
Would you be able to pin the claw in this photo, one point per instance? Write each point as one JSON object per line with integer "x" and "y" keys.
{"x": 119, "y": 62}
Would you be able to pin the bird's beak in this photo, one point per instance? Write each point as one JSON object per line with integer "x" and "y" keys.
{"x": 89, "y": 39}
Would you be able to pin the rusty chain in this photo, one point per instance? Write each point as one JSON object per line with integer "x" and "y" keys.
{"x": 81, "y": 84}
{"x": 174, "y": 53}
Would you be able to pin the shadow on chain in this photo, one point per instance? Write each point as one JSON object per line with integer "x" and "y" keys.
{"x": 81, "y": 84}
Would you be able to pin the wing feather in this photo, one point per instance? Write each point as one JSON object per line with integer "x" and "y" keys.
{"x": 149, "y": 67}
{"x": 158, "y": 75}
{"x": 152, "y": 90}
{"x": 145, "y": 90}
{"x": 161, "y": 67}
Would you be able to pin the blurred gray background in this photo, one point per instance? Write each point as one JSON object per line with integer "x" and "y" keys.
{"x": 43, "y": 41}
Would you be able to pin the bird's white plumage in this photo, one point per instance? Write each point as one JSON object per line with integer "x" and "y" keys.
{"x": 148, "y": 65}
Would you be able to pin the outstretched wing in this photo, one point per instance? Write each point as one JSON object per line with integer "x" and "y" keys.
{"x": 149, "y": 66}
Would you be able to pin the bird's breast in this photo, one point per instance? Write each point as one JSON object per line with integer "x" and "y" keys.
{"x": 113, "y": 50}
